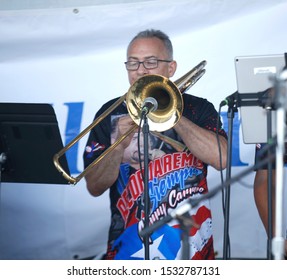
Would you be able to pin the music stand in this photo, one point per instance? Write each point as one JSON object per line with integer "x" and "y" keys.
{"x": 29, "y": 138}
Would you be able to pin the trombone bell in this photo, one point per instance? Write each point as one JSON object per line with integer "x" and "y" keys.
{"x": 167, "y": 95}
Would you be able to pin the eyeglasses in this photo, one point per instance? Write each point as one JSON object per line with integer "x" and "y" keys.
{"x": 133, "y": 65}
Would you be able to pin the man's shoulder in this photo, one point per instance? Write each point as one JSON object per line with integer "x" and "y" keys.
{"x": 109, "y": 103}
{"x": 195, "y": 100}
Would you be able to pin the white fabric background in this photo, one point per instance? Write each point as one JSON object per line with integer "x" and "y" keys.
{"x": 76, "y": 54}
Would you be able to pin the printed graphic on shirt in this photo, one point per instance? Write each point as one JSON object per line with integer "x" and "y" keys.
{"x": 165, "y": 244}
{"x": 174, "y": 181}
{"x": 92, "y": 148}
{"x": 174, "y": 177}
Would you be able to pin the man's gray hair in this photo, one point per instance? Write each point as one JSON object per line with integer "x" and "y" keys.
{"x": 150, "y": 33}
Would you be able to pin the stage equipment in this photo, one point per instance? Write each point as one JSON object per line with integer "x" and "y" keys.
{"x": 168, "y": 95}
{"x": 254, "y": 75}
{"x": 29, "y": 138}
{"x": 280, "y": 85}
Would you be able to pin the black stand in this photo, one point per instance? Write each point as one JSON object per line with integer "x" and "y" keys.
{"x": 146, "y": 188}
{"x": 266, "y": 101}
{"x": 29, "y": 138}
{"x": 184, "y": 220}
{"x": 231, "y": 110}
{"x": 252, "y": 99}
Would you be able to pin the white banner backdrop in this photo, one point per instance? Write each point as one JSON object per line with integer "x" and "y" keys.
{"x": 73, "y": 58}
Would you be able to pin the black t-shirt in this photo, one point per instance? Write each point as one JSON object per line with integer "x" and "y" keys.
{"x": 174, "y": 176}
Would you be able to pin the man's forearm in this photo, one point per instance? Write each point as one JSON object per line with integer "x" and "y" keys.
{"x": 202, "y": 143}
{"x": 104, "y": 174}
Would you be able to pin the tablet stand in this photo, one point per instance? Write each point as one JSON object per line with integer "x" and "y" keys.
{"x": 263, "y": 100}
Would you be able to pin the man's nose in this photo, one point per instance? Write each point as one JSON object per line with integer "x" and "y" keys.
{"x": 142, "y": 70}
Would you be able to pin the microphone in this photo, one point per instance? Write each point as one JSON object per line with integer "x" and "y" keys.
{"x": 150, "y": 105}
{"x": 230, "y": 99}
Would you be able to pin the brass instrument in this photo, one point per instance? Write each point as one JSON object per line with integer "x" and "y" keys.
{"x": 170, "y": 106}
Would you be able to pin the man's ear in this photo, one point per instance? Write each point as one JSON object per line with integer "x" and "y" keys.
{"x": 172, "y": 68}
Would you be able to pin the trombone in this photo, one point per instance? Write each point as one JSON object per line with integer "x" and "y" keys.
{"x": 168, "y": 95}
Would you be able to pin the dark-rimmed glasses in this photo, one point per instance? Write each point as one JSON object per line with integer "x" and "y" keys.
{"x": 133, "y": 65}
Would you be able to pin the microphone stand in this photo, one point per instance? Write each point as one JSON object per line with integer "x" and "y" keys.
{"x": 184, "y": 220}
{"x": 231, "y": 110}
{"x": 145, "y": 130}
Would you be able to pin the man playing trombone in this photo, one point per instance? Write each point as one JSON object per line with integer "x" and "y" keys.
{"x": 177, "y": 172}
